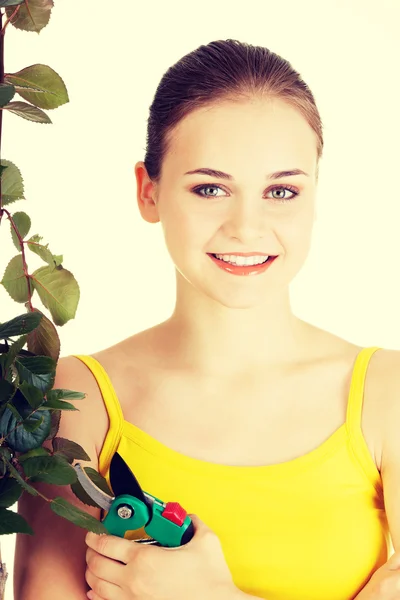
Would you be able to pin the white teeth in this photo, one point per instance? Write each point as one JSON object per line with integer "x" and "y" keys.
{"x": 242, "y": 260}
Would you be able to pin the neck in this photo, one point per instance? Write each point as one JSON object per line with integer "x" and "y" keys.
{"x": 211, "y": 338}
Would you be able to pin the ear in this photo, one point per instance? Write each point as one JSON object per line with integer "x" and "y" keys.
{"x": 146, "y": 194}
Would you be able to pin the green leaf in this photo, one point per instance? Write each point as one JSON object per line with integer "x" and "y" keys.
{"x": 59, "y": 292}
{"x": 50, "y": 469}
{"x": 28, "y": 112}
{"x": 15, "y": 348}
{"x": 12, "y": 184}
{"x": 5, "y": 453}
{"x": 5, "y": 457}
{"x": 82, "y": 495}
{"x": 31, "y": 425}
{"x": 14, "y": 410}
{"x": 33, "y": 453}
{"x": 37, "y": 370}
{"x": 69, "y": 449}
{"x": 10, "y": 2}
{"x": 10, "y": 491}
{"x": 7, "y": 390}
{"x": 17, "y": 437}
{"x": 61, "y": 394}
{"x": 79, "y": 517}
{"x": 14, "y": 280}
{"x": 44, "y": 340}
{"x": 22, "y": 222}
{"x": 57, "y": 405}
{"x": 41, "y": 250}
{"x": 55, "y": 423}
{"x": 31, "y": 490}
{"x": 53, "y": 91}
{"x": 32, "y": 394}
{"x": 7, "y": 92}
{"x": 34, "y": 18}
{"x": 98, "y": 480}
{"x": 20, "y": 324}
{"x": 12, "y": 522}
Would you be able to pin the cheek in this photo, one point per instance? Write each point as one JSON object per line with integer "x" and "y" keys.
{"x": 186, "y": 233}
{"x": 296, "y": 231}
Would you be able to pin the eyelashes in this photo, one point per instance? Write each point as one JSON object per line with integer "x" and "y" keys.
{"x": 287, "y": 188}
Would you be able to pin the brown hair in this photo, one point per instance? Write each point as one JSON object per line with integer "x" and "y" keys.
{"x": 222, "y": 70}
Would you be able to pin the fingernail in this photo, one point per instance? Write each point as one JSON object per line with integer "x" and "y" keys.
{"x": 90, "y": 595}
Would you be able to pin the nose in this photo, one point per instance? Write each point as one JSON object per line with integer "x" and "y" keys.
{"x": 246, "y": 221}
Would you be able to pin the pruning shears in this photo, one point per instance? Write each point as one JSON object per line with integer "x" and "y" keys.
{"x": 166, "y": 524}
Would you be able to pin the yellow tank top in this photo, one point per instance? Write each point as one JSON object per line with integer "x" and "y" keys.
{"x": 311, "y": 528}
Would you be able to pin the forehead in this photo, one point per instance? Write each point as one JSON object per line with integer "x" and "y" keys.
{"x": 269, "y": 133}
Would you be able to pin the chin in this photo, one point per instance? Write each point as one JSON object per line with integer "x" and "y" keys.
{"x": 244, "y": 299}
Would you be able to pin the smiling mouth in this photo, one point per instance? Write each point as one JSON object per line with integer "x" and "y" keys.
{"x": 244, "y": 261}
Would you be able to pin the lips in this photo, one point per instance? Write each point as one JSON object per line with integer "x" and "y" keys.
{"x": 243, "y": 269}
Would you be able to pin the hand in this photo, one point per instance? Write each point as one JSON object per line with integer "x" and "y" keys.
{"x": 384, "y": 583}
{"x": 120, "y": 569}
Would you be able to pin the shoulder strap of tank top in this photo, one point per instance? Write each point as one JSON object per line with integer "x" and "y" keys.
{"x": 357, "y": 442}
{"x": 113, "y": 408}
{"x": 356, "y": 392}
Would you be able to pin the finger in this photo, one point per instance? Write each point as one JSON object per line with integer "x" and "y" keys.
{"x": 113, "y": 547}
{"x": 93, "y": 596}
{"x": 104, "y": 567}
{"x": 103, "y": 589}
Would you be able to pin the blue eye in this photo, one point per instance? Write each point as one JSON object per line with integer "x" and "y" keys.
{"x": 286, "y": 188}
{"x": 197, "y": 190}
{"x": 213, "y": 186}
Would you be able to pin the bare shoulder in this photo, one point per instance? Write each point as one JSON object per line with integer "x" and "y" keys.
{"x": 33, "y": 554}
{"x": 91, "y": 416}
{"x": 384, "y": 388}
{"x": 383, "y": 383}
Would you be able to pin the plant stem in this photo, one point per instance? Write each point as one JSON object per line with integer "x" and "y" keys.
{"x": 2, "y": 33}
{"x": 11, "y": 18}
{"x": 3, "y": 569}
{"x": 21, "y": 243}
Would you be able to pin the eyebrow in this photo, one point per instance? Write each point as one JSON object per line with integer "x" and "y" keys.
{"x": 222, "y": 175}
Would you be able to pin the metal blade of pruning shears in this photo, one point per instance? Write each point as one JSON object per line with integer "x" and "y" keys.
{"x": 100, "y": 497}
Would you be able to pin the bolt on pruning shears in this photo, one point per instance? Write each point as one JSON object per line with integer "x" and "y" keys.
{"x": 131, "y": 508}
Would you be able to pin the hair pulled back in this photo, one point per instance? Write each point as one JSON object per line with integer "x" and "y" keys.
{"x": 222, "y": 70}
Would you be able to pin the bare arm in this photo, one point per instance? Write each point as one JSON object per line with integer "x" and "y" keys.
{"x": 385, "y": 582}
{"x": 52, "y": 562}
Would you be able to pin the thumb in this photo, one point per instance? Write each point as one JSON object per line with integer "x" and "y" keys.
{"x": 394, "y": 562}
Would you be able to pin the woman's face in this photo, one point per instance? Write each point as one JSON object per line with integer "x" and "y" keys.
{"x": 247, "y": 210}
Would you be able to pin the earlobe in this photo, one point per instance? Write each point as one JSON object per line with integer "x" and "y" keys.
{"x": 146, "y": 194}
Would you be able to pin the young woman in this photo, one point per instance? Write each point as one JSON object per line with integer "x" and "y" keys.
{"x": 281, "y": 438}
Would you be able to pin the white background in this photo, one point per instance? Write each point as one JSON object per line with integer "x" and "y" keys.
{"x": 79, "y": 178}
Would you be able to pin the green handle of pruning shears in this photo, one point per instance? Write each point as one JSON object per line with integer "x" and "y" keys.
{"x": 118, "y": 520}
{"x": 127, "y": 513}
